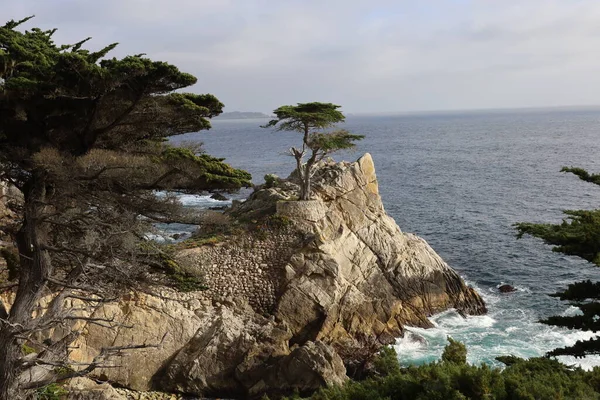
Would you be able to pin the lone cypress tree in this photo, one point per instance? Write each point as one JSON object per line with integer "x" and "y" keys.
{"x": 578, "y": 235}
{"x": 310, "y": 119}
{"x": 83, "y": 138}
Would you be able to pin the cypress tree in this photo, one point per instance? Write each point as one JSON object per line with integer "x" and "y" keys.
{"x": 84, "y": 141}
{"x": 578, "y": 235}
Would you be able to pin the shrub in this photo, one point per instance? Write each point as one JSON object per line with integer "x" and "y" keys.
{"x": 53, "y": 391}
{"x": 183, "y": 281}
{"x": 271, "y": 180}
{"x": 454, "y": 352}
{"x": 454, "y": 379}
{"x": 386, "y": 362}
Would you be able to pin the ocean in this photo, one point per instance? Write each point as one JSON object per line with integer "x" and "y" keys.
{"x": 461, "y": 180}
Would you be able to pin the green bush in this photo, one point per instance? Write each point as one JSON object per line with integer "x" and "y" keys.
{"x": 386, "y": 362}
{"x": 54, "y": 391}
{"x": 454, "y": 379}
{"x": 271, "y": 180}
{"x": 454, "y": 352}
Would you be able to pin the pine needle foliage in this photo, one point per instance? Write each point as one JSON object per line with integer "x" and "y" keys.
{"x": 84, "y": 139}
{"x": 311, "y": 120}
{"x": 578, "y": 235}
{"x": 536, "y": 378}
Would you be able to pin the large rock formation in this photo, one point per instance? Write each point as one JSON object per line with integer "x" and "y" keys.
{"x": 288, "y": 306}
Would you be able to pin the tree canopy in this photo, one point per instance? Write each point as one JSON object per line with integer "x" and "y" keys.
{"x": 306, "y": 117}
{"x": 84, "y": 142}
{"x": 577, "y": 235}
{"x": 310, "y": 119}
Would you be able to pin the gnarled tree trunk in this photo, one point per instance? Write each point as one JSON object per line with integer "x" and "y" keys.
{"x": 35, "y": 269}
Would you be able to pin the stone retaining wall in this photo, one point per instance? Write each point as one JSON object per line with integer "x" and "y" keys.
{"x": 250, "y": 266}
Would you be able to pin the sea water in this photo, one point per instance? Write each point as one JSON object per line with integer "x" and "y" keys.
{"x": 461, "y": 180}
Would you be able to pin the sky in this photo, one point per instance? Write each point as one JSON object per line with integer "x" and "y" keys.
{"x": 367, "y": 55}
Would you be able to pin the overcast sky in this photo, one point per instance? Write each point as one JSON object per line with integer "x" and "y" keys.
{"x": 369, "y": 56}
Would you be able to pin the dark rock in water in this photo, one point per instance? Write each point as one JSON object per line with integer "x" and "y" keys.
{"x": 219, "y": 197}
{"x": 415, "y": 338}
{"x": 177, "y": 236}
{"x": 218, "y": 208}
{"x": 506, "y": 289}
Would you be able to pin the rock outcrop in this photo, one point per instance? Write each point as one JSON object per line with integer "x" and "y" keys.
{"x": 506, "y": 289}
{"x": 289, "y": 306}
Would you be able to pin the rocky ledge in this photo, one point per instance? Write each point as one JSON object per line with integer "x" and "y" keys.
{"x": 292, "y": 308}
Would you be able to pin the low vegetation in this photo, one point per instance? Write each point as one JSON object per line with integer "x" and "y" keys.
{"x": 453, "y": 379}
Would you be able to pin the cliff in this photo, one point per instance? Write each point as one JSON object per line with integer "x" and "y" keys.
{"x": 296, "y": 304}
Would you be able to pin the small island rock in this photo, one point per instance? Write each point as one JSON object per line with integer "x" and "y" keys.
{"x": 506, "y": 289}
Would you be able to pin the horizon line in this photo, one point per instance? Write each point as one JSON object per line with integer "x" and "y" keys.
{"x": 476, "y": 110}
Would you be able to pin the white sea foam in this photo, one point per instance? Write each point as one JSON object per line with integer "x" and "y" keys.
{"x": 501, "y": 332}
{"x": 167, "y": 232}
{"x": 191, "y": 200}
{"x": 572, "y": 311}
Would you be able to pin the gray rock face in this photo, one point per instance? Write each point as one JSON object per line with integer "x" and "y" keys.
{"x": 361, "y": 279}
{"x": 86, "y": 389}
{"x": 341, "y": 280}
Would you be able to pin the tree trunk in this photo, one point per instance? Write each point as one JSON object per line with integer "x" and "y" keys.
{"x": 35, "y": 268}
{"x": 10, "y": 352}
{"x": 305, "y": 185}
{"x": 305, "y": 177}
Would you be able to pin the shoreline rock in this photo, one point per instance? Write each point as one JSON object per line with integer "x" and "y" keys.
{"x": 506, "y": 289}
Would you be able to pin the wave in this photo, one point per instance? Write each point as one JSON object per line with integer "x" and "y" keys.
{"x": 501, "y": 332}
{"x": 195, "y": 200}
{"x": 191, "y": 200}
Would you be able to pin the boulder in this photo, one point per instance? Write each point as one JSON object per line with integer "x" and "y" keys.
{"x": 219, "y": 197}
{"x": 506, "y": 289}
{"x": 241, "y": 354}
{"x": 87, "y": 389}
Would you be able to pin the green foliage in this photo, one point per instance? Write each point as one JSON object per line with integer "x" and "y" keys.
{"x": 214, "y": 171}
{"x": 271, "y": 180}
{"x": 537, "y": 378}
{"x": 304, "y": 117}
{"x": 188, "y": 283}
{"x": 184, "y": 281}
{"x": 333, "y": 141}
{"x": 581, "y": 348}
{"x": 84, "y": 138}
{"x": 198, "y": 241}
{"x": 583, "y": 174}
{"x": 26, "y": 349}
{"x": 278, "y": 221}
{"x": 311, "y": 119}
{"x": 455, "y": 352}
{"x": 386, "y": 362}
{"x": 452, "y": 378}
{"x": 580, "y": 291}
{"x": 577, "y": 235}
{"x": 53, "y": 391}
{"x": 87, "y": 101}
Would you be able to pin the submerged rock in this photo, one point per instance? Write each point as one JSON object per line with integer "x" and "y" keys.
{"x": 287, "y": 307}
{"x": 506, "y": 289}
{"x": 219, "y": 197}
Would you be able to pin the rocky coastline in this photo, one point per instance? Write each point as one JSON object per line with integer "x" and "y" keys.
{"x": 303, "y": 304}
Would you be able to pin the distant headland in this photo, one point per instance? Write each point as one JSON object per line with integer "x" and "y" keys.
{"x": 242, "y": 115}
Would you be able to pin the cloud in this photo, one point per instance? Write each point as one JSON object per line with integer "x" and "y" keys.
{"x": 377, "y": 55}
